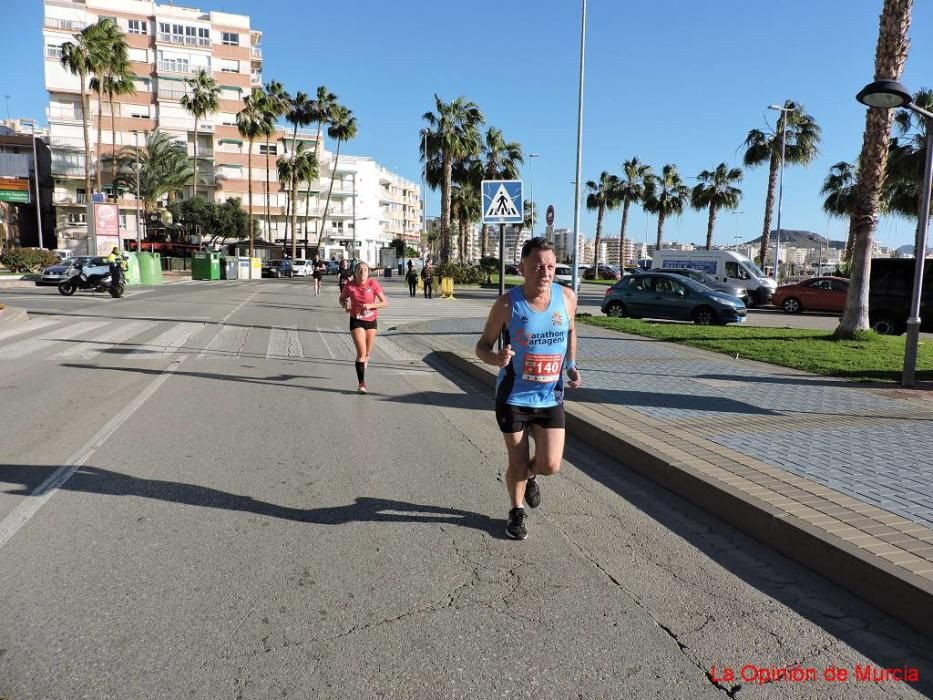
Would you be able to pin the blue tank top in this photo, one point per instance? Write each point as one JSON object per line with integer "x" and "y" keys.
{"x": 534, "y": 377}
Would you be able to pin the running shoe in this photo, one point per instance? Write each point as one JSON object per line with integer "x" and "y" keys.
{"x": 532, "y": 493}
{"x": 515, "y": 527}
{"x": 361, "y": 389}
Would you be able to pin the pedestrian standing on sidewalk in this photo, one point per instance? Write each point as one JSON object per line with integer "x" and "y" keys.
{"x": 344, "y": 273}
{"x": 317, "y": 271}
{"x": 539, "y": 344}
{"x": 362, "y": 297}
{"x": 427, "y": 276}
{"x": 412, "y": 278}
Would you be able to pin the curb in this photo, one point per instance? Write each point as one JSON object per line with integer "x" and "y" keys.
{"x": 904, "y": 596}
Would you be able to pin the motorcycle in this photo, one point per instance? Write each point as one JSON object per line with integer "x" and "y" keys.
{"x": 100, "y": 281}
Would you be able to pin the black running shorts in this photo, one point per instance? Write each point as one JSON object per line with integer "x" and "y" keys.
{"x": 359, "y": 323}
{"x": 515, "y": 419}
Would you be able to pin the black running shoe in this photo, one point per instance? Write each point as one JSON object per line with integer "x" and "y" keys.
{"x": 532, "y": 493}
{"x": 515, "y": 527}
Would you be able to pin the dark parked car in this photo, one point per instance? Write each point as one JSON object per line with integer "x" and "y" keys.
{"x": 54, "y": 274}
{"x": 606, "y": 272}
{"x": 815, "y": 294}
{"x": 658, "y": 295}
{"x": 892, "y": 282}
{"x": 277, "y": 268}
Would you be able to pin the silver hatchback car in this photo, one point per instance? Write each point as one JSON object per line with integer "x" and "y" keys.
{"x": 709, "y": 281}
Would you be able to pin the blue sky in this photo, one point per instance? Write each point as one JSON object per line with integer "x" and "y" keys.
{"x": 672, "y": 82}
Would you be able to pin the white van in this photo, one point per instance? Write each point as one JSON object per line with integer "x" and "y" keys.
{"x": 725, "y": 265}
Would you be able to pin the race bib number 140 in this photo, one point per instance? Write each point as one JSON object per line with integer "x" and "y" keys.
{"x": 542, "y": 368}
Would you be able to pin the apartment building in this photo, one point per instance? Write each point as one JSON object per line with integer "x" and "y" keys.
{"x": 167, "y": 45}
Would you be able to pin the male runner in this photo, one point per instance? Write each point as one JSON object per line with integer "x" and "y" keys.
{"x": 539, "y": 344}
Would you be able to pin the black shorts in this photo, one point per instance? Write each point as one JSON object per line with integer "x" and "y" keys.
{"x": 316, "y": 275}
{"x": 515, "y": 419}
{"x": 360, "y": 323}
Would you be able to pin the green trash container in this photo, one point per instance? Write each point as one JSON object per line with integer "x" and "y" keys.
{"x": 150, "y": 268}
{"x": 205, "y": 266}
{"x": 131, "y": 275}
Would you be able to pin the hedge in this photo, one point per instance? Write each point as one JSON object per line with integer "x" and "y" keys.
{"x": 27, "y": 259}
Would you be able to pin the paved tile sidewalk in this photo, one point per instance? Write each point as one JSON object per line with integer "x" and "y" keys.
{"x": 846, "y": 467}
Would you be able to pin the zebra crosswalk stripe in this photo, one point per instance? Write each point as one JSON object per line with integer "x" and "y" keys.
{"x": 228, "y": 342}
{"x": 165, "y": 344}
{"x": 25, "y": 328}
{"x": 49, "y": 339}
{"x": 93, "y": 347}
{"x": 284, "y": 343}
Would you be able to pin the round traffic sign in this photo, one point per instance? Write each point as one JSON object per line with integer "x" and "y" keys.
{"x": 549, "y": 216}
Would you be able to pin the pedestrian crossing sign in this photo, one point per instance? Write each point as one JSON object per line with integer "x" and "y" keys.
{"x": 502, "y": 202}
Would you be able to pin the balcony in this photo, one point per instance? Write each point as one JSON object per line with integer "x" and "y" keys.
{"x": 176, "y": 67}
{"x": 203, "y": 151}
{"x": 67, "y": 25}
{"x": 64, "y": 115}
{"x": 170, "y": 94}
{"x": 183, "y": 40}
{"x": 69, "y": 199}
{"x": 256, "y": 52}
{"x": 66, "y": 142}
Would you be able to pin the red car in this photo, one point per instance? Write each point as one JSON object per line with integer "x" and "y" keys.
{"x": 606, "y": 272}
{"x": 815, "y": 294}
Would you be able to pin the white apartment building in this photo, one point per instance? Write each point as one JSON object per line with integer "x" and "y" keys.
{"x": 167, "y": 45}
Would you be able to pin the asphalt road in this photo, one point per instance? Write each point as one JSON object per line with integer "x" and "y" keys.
{"x": 232, "y": 520}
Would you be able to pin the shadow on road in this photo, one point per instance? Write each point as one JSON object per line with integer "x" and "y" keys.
{"x": 104, "y": 482}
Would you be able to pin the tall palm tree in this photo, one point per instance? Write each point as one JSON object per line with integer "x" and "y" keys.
{"x": 320, "y": 111}
{"x": 800, "y": 148}
{"x": 890, "y": 56}
{"x": 839, "y": 190}
{"x": 111, "y": 57}
{"x": 276, "y": 103}
{"x": 164, "y": 169}
{"x": 118, "y": 81}
{"x": 201, "y": 99}
{"x": 500, "y": 160}
{"x": 298, "y": 114}
{"x": 906, "y": 157}
{"x": 666, "y": 194}
{"x": 630, "y": 190}
{"x": 600, "y": 198}
{"x": 342, "y": 128}
{"x": 82, "y": 57}
{"x": 299, "y": 166}
{"x": 716, "y": 190}
{"x": 453, "y": 135}
{"x": 253, "y": 122}
{"x": 467, "y": 208}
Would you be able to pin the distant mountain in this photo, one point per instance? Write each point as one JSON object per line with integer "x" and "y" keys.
{"x": 908, "y": 251}
{"x": 801, "y": 239}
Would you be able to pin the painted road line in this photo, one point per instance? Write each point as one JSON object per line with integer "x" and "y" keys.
{"x": 94, "y": 347}
{"x": 49, "y": 339}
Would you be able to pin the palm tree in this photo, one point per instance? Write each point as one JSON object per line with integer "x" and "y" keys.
{"x": 630, "y": 190}
{"x": 342, "y": 128}
{"x": 453, "y": 136}
{"x": 467, "y": 208}
{"x": 800, "y": 148}
{"x": 82, "y": 57}
{"x": 666, "y": 194}
{"x": 300, "y": 166}
{"x": 276, "y": 103}
{"x": 890, "y": 56}
{"x": 164, "y": 169}
{"x": 118, "y": 81}
{"x": 253, "y": 122}
{"x": 320, "y": 111}
{"x": 716, "y": 190}
{"x": 110, "y": 58}
{"x": 600, "y": 198}
{"x": 499, "y": 161}
{"x": 839, "y": 190}
{"x": 298, "y": 114}
{"x": 201, "y": 99}
{"x": 906, "y": 156}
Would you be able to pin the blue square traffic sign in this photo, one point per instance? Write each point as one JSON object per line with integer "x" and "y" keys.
{"x": 502, "y": 202}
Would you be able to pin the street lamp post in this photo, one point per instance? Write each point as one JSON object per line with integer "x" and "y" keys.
{"x": 886, "y": 94}
{"x": 819, "y": 261}
{"x": 532, "y": 156}
{"x": 35, "y": 171}
{"x": 579, "y": 170}
{"x": 737, "y": 214}
{"x": 777, "y": 240}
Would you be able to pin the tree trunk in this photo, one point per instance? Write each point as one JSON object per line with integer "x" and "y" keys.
{"x": 307, "y": 213}
{"x": 890, "y": 56}
{"x": 268, "y": 180}
{"x": 769, "y": 208}
{"x": 445, "y": 207}
{"x": 87, "y": 143}
{"x": 113, "y": 144}
{"x": 625, "y": 205}
{"x": 850, "y": 240}
{"x": 294, "y": 198}
{"x": 100, "y": 131}
{"x": 710, "y": 226}
{"x": 194, "y": 180}
{"x": 661, "y": 217}
{"x": 249, "y": 187}
{"x": 484, "y": 240}
{"x": 600, "y": 213}
{"x": 327, "y": 201}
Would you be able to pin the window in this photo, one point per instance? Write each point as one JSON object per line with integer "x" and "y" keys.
{"x": 639, "y": 283}
{"x": 53, "y": 51}
{"x": 139, "y": 111}
{"x": 138, "y": 26}
{"x": 269, "y": 150}
{"x": 204, "y": 36}
{"x": 735, "y": 271}
{"x": 138, "y": 55}
{"x": 230, "y": 38}
{"x": 77, "y": 218}
{"x": 229, "y": 66}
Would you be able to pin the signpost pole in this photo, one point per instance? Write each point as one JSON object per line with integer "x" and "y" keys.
{"x": 501, "y": 268}
{"x": 35, "y": 170}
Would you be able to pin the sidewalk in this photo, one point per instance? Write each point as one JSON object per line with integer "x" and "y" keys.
{"x": 831, "y": 474}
